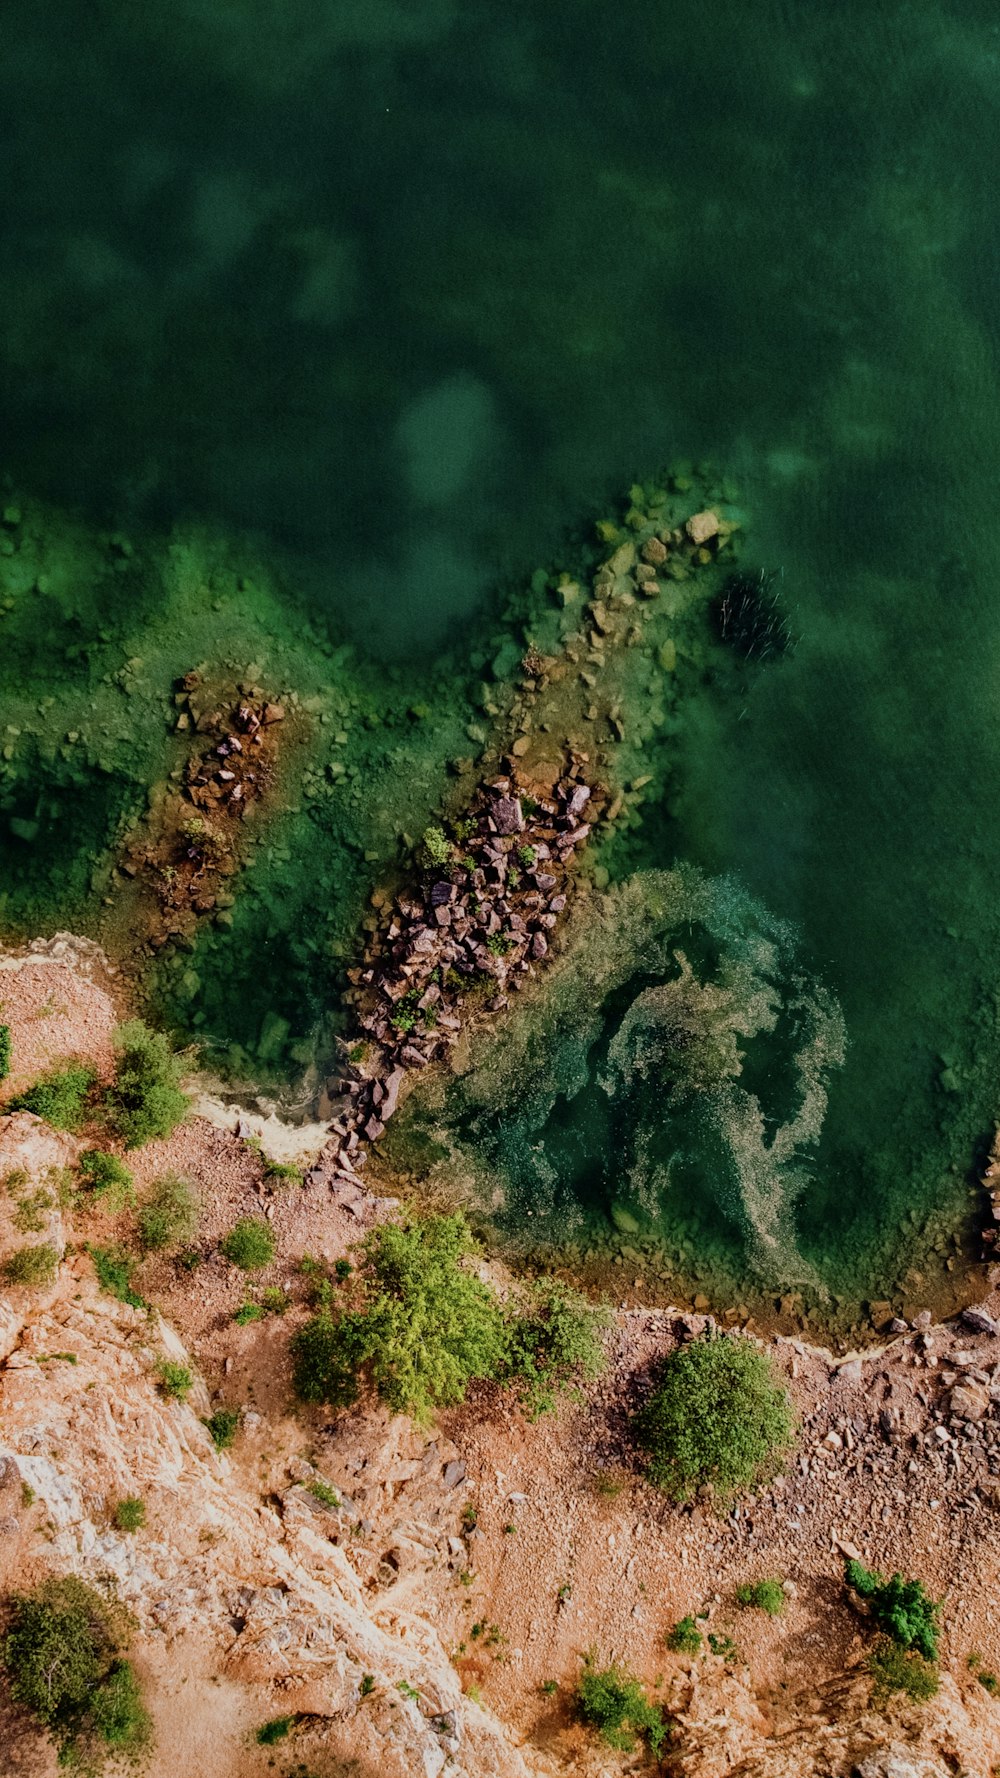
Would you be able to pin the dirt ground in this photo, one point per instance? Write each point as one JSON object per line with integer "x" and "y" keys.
{"x": 526, "y": 1544}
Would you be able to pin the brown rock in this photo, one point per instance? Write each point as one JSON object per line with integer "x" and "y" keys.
{"x": 701, "y": 526}
{"x": 969, "y": 1401}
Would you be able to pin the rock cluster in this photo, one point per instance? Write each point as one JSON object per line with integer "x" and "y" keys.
{"x": 229, "y": 772}
{"x": 474, "y": 932}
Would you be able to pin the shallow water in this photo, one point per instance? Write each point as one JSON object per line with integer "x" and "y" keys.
{"x": 378, "y": 301}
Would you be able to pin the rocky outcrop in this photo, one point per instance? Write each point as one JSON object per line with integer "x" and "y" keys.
{"x": 258, "y": 1589}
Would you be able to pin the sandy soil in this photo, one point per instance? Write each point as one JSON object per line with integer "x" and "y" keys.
{"x": 571, "y": 1549}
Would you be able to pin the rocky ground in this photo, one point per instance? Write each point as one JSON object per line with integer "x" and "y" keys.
{"x": 475, "y": 1563}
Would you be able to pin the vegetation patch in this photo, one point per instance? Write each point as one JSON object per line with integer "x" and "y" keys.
{"x": 107, "y": 1177}
{"x": 32, "y": 1266}
{"x": 223, "y": 1426}
{"x": 554, "y": 1343}
{"x": 130, "y": 1514}
{"x": 420, "y": 1327}
{"x": 763, "y": 1595}
{"x": 144, "y": 1100}
{"x": 63, "y": 1651}
{"x": 685, "y": 1638}
{"x": 613, "y": 1701}
{"x": 61, "y": 1097}
{"x": 718, "y": 1418}
{"x": 902, "y": 1609}
{"x": 249, "y": 1244}
{"x": 277, "y": 1729}
{"x": 114, "y": 1274}
{"x": 174, "y": 1380}
{"x": 4, "y": 1051}
{"x": 169, "y": 1216}
{"x": 897, "y": 1669}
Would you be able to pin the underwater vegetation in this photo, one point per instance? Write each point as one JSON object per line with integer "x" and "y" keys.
{"x": 750, "y": 615}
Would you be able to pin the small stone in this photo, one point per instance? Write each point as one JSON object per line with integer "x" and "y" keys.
{"x": 969, "y": 1401}
{"x": 453, "y": 1473}
{"x": 701, "y": 526}
{"x": 653, "y": 551}
{"x": 980, "y": 1321}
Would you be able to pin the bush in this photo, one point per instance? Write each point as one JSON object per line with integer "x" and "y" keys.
{"x": 766, "y": 1595}
{"x": 717, "y": 1418}
{"x": 223, "y": 1426}
{"x": 130, "y": 1514}
{"x": 60, "y": 1097}
{"x": 435, "y": 851}
{"x": 614, "y": 1702}
{"x": 4, "y": 1051}
{"x": 32, "y": 1265}
{"x": 685, "y": 1638}
{"x": 898, "y": 1669}
{"x": 175, "y": 1380}
{"x": 276, "y": 1730}
{"x": 250, "y": 1244}
{"x": 169, "y": 1216}
{"x": 423, "y": 1326}
{"x": 903, "y": 1609}
{"x": 553, "y": 1343}
{"x": 144, "y": 1100}
{"x": 114, "y": 1274}
{"x": 32, "y": 1212}
{"x": 105, "y": 1173}
{"x": 62, "y": 1652}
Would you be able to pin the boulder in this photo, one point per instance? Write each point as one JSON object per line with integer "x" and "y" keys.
{"x": 969, "y": 1401}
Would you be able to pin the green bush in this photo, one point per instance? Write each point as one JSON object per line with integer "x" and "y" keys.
{"x": 144, "y": 1100}
{"x": 323, "y": 1492}
{"x": 4, "y": 1051}
{"x": 105, "y": 1173}
{"x": 902, "y": 1608}
{"x": 718, "y": 1417}
{"x": 765, "y": 1595}
{"x": 223, "y": 1426}
{"x": 249, "y": 1244}
{"x": 32, "y": 1265}
{"x": 169, "y": 1216}
{"x": 435, "y": 851}
{"x": 175, "y": 1380}
{"x": 614, "y": 1702}
{"x": 422, "y": 1328}
{"x": 60, "y": 1097}
{"x": 114, "y": 1274}
{"x": 276, "y": 1730}
{"x": 553, "y": 1343}
{"x": 130, "y": 1514}
{"x": 685, "y": 1638}
{"x": 62, "y": 1651}
{"x": 32, "y": 1212}
{"x": 898, "y": 1669}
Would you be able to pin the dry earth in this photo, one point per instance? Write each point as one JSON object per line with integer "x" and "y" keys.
{"x": 255, "y": 1599}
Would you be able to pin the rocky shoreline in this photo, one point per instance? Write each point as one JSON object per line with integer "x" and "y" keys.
{"x": 454, "y": 949}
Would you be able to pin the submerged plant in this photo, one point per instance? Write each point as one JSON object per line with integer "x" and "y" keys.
{"x": 749, "y": 615}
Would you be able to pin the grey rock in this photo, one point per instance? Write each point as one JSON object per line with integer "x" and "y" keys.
{"x": 980, "y": 1321}
{"x": 454, "y": 1472}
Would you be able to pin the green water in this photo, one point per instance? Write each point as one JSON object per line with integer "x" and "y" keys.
{"x": 344, "y": 315}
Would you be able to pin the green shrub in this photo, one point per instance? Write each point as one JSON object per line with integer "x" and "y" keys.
{"x": 105, "y": 1174}
{"x": 249, "y": 1244}
{"x": 613, "y": 1701}
{"x": 323, "y": 1492}
{"x": 283, "y": 1170}
{"x": 223, "y": 1426}
{"x": 423, "y": 1326}
{"x": 902, "y": 1608}
{"x": 32, "y": 1213}
{"x": 765, "y": 1595}
{"x": 60, "y": 1097}
{"x": 130, "y": 1514}
{"x": 685, "y": 1638}
{"x": 718, "y": 1417}
{"x": 32, "y": 1265}
{"x": 898, "y": 1669}
{"x": 276, "y": 1730}
{"x": 553, "y": 1343}
{"x": 248, "y": 1312}
{"x": 62, "y": 1651}
{"x": 175, "y": 1380}
{"x": 4, "y": 1051}
{"x": 169, "y": 1216}
{"x": 435, "y": 851}
{"x": 114, "y": 1274}
{"x": 144, "y": 1100}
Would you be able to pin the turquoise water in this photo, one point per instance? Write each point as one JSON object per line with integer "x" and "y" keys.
{"x": 387, "y": 299}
